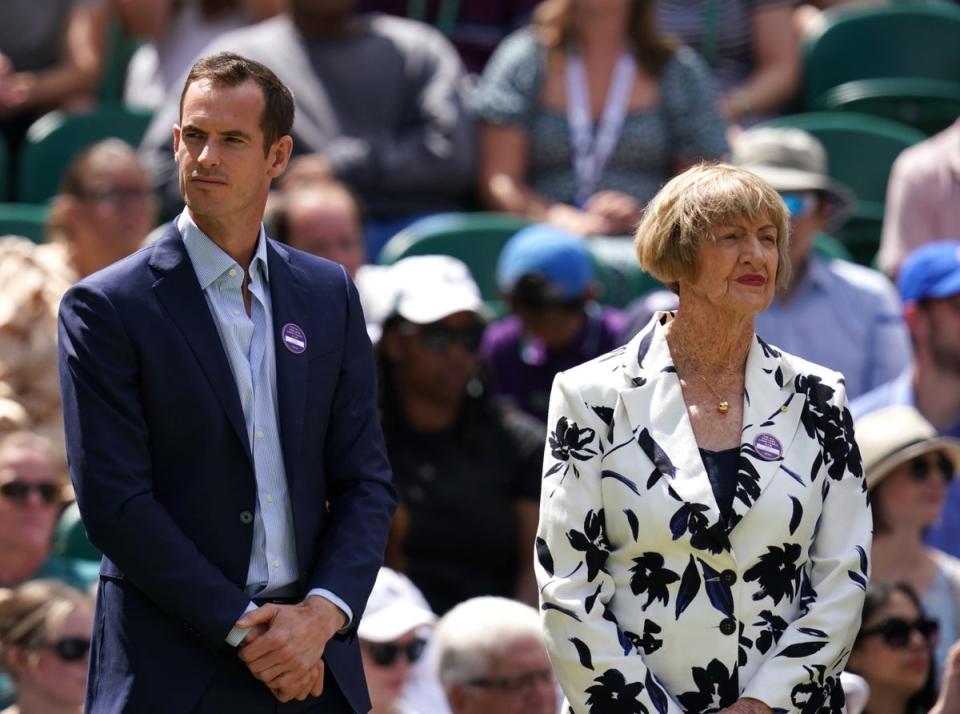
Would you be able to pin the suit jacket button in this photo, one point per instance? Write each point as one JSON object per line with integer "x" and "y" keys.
{"x": 728, "y": 626}
{"x": 728, "y": 577}
{"x": 246, "y": 517}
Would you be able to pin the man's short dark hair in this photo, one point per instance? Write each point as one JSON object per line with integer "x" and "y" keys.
{"x": 231, "y": 70}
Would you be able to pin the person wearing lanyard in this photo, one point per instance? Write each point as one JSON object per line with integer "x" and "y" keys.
{"x": 586, "y": 113}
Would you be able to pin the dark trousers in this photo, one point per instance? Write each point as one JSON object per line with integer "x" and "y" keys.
{"x": 233, "y": 689}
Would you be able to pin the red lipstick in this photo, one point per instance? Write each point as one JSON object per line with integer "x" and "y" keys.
{"x": 752, "y": 279}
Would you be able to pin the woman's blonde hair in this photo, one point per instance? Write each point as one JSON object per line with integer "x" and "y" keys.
{"x": 691, "y": 206}
{"x": 555, "y": 24}
{"x": 32, "y": 614}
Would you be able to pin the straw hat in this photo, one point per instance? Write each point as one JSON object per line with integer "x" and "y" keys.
{"x": 891, "y": 436}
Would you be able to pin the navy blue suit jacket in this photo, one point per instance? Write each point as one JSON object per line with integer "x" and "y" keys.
{"x": 164, "y": 478}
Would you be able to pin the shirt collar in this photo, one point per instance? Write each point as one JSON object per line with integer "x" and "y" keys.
{"x": 209, "y": 260}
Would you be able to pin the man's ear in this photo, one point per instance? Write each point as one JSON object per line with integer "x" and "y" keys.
{"x": 176, "y": 138}
{"x": 280, "y": 155}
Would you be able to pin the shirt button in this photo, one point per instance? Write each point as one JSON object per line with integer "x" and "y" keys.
{"x": 236, "y": 311}
{"x": 269, "y": 499}
{"x": 259, "y": 434}
{"x": 246, "y": 517}
{"x": 728, "y": 626}
{"x": 728, "y": 577}
{"x": 276, "y": 564}
{"x": 232, "y": 273}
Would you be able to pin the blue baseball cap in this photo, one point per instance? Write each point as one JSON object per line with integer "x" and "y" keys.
{"x": 560, "y": 257}
{"x": 932, "y": 271}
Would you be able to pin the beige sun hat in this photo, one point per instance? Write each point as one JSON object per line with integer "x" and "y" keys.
{"x": 891, "y": 436}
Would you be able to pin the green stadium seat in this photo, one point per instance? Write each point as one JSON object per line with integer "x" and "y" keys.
{"x": 860, "y": 149}
{"x": 55, "y": 138}
{"x": 900, "y": 61}
{"x": 70, "y": 537}
{"x": 617, "y": 274}
{"x": 120, "y": 48}
{"x": 23, "y": 219}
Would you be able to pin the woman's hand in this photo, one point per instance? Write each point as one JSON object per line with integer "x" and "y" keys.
{"x": 572, "y": 219}
{"x": 949, "y": 699}
{"x": 620, "y": 211}
{"x": 747, "y": 706}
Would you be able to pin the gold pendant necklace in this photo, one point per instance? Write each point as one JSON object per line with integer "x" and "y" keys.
{"x": 723, "y": 406}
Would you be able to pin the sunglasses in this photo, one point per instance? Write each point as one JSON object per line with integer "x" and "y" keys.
{"x": 921, "y": 466}
{"x": 521, "y": 683}
{"x": 385, "y": 654}
{"x": 799, "y": 203}
{"x": 19, "y": 491}
{"x": 895, "y": 631}
{"x": 438, "y": 338}
{"x": 71, "y": 649}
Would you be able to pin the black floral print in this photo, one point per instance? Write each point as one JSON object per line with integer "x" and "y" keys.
{"x": 592, "y": 541}
{"x": 716, "y": 688}
{"x": 650, "y": 577}
{"x": 568, "y": 441}
{"x": 613, "y": 695}
{"x": 831, "y": 425}
{"x": 776, "y": 573}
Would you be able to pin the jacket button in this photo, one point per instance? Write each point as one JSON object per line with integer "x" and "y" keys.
{"x": 246, "y": 517}
{"x": 728, "y": 577}
{"x": 728, "y": 626}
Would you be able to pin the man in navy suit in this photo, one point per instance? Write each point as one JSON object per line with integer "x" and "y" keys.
{"x": 220, "y": 407}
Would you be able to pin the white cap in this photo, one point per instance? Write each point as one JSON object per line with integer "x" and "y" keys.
{"x": 395, "y": 608}
{"x": 428, "y": 288}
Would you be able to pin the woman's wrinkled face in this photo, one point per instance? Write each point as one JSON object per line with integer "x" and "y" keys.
{"x": 737, "y": 267}
{"x": 888, "y": 664}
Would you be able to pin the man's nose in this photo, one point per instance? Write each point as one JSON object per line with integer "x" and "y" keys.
{"x": 208, "y": 155}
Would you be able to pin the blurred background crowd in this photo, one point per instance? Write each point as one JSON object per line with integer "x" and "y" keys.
{"x": 478, "y": 167}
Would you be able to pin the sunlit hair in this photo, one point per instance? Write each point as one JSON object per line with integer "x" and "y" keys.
{"x": 692, "y": 206}
{"x": 29, "y": 441}
{"x": 470, "y": 635}
{"x": 555, "y": 24}
{"x": 226, "y": 69}
{"x": 33, "y": 614}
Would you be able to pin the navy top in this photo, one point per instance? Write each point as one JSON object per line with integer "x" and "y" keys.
{"x": 721, "y": 469}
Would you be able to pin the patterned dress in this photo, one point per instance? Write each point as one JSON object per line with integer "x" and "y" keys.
{"x": 652, "y": 601}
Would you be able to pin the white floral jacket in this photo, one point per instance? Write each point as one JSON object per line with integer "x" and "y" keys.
{"x": 650, "y": 601}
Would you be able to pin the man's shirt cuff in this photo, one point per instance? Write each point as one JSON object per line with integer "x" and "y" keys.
{"x": 236, "y": 635}
{"x": 344, "y": 608}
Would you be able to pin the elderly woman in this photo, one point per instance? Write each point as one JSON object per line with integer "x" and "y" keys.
{"x": 44, "y": 641}
{"x": 908, "y": 469}
{"x": 704, "y": 528}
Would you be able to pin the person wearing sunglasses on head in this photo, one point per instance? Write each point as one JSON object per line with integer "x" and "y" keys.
{"x": 44, "y": 643}
{"x": 908, "y": 468}
{"x": 893, "y": 651}
{"x": 491, "y": 659}
{"x": 467, "y": 468}
{"x": 394, "y": 635}
{"x": 832, "y": 312}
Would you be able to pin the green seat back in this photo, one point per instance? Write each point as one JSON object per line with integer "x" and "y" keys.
{"x": 861, "y": 150}
{"x": 70, "y": 537}
{"x": 474, "y": 238}
{"x": 23, "y": 219}
{"x": 120, "y": 48}
{"x": 617, "y": 274}
{"x": 906, "y": 41}
{"x": 929, "y": 105}
{"x": 55, "y": 138}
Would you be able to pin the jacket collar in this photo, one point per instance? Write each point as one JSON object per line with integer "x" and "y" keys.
{"x": 653, "y": 399}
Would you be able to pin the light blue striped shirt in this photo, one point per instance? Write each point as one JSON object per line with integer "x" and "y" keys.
{"x": 250, "y": 352}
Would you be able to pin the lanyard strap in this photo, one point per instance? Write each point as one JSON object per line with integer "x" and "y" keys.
{"x": 591, "y": 150}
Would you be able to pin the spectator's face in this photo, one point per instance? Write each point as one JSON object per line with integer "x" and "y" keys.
{"x": 738, "y": 270}
{"x": 519, "y": 681}
{"x": 943, "y": 333}
{"x": 897, "y": 665}
{"x": 808, "y": 215}
{"x": 224, "y": 175}
{"x": 29, "y": 499}
{"x": 113, "y": 216}
{"x": 387, "y": 667}
{"x": 56, "y": 672}
{"x": 912, "y": 495}
{"x": 327, "y": 224}
{"x": 434, "y": 362}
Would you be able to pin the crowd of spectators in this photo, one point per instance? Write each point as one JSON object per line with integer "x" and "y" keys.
{"x": 569, "y": 114}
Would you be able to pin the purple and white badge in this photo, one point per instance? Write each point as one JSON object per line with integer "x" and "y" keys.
{"x": 768, "y": 447}
{"x": 294, "y": 338}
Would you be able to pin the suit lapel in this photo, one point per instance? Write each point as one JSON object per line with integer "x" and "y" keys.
{"x": 658, "y": 415}
{"x": 180, "y": 294}
{"x": 771, "y": 417}
{"x": 290, "y": 306}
